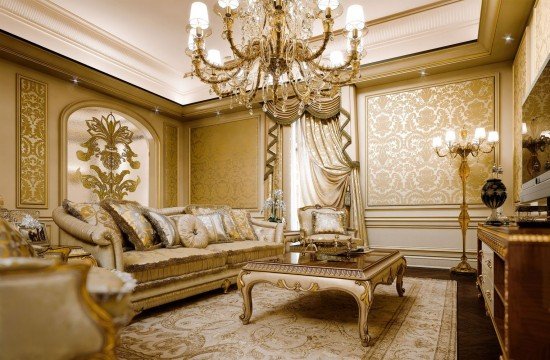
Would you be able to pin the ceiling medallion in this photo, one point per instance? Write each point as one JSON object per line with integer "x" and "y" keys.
{"x": 276, "y": 59}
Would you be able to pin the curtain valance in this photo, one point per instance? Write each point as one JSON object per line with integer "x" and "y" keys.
{"x": 322, "y": 109}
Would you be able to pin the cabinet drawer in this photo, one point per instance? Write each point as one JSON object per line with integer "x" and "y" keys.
{"x": 487, "y": 258}
{"x": 487, "y": 289}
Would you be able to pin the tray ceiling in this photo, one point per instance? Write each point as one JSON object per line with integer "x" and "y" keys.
{"x": 143, "y": 41}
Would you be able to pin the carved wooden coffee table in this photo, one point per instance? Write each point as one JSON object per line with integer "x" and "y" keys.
{"x": 357, "y": 275}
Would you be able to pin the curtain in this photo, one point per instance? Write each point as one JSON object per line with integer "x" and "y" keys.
{"x": 326, "y": 171}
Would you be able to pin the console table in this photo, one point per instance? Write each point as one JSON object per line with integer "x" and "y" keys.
{"x": 514, "y": 279}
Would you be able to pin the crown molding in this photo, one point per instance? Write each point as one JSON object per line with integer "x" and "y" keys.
{"x": 30, "y": 55}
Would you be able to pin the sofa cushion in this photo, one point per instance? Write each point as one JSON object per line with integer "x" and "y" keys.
{"x": 163, "y": 227}
{"x": 241, "y": 218}
{"x": 228, "y": 222}
{"x": 129, "y": 217}
{"x": 243, "y": 251}
{"x": 329, "y": 223}
{"x": 164, "y": 263}
{"x": 94, "y": 214}
{"x": 191, "y": 230}
{"x": 214, "y": 225}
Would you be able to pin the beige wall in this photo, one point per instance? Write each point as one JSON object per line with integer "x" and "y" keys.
{"x": 429, "y": 234}
{"x": 62, "y": 94}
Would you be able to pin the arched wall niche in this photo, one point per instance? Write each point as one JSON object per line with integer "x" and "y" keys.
{"x": 137, "y": 154}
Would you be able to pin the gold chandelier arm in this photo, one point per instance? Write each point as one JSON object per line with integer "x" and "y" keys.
{"x": 304, "y": 53}
{"x": 211, "y": 81}
{"x": 241, "y": 55}
{"x": 204, "y": 60}
{"x": 349, "y": 60}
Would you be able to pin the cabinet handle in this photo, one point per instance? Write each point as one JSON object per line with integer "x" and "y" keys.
{"x": 480, "y": 255}
{"x": 489, "y": 264}
{"x": 488, "y": 293}
{"x": 480, "y": 279}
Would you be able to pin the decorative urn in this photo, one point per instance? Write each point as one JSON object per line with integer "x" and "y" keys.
{"x": 493, "y": 195}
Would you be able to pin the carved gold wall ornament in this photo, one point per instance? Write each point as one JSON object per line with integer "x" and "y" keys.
{"x": 32, "y": 145}
{"x": 170, "y": 137}
{"x": 110, "y": 142}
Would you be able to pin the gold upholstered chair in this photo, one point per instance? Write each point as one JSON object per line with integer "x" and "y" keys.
{"x": 331, "y": 221}
{"x": 47, "y": 313}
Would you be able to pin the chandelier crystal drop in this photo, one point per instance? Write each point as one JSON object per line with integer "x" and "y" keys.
{"x": 276, "y": 57}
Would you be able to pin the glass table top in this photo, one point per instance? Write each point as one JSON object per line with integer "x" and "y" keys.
{"x": 355, "y": 260}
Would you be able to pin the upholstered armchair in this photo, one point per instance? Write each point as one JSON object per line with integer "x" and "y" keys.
{"x": 305, "y": 217}
{"x": 47, "y": 313}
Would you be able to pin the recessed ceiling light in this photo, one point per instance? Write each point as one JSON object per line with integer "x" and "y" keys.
{"x": 508, "y": 38}
{"x": 157, "y": 110}
{"x": 423, "y": 72}
{"x": 218, "y": 112}
{"x": 75, "y": 80}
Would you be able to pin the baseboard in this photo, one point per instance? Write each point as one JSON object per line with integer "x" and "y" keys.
{"x": 435, "y": 258}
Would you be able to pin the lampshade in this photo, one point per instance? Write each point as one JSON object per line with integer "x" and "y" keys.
{"x": 233, "y": 4}
{"x": 450, "y": 136}
{"x": 437, "y": 142}
{"x": 324, "y": 4}
{"x": 480, "y": 134}
{"x": 492, "y": 137}
{"x": 523, "y": 128}
{"x": 336, "y": 58}
{"x": 355, "y": 18}
{"x": 214, "y": 56}
{"x": 199, "y": 16}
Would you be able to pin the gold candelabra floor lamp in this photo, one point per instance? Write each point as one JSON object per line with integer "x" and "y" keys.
{"x": 481, "y": 143}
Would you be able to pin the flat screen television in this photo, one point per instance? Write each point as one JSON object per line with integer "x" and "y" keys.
{"x": 536, "y": 141}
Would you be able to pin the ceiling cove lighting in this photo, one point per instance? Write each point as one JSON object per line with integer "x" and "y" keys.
{"x": 275, "y": 57}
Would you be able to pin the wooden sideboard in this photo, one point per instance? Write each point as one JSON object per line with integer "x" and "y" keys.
{"x": 514, "y": 279}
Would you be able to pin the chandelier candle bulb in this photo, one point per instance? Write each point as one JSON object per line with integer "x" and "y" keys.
{"x": 480, "y": 134}
{"x": 199, "y": 16}
{"x": 450, "y": 136}
{"x": 437, "y": 142}
{"x": 232, "y": 4}
{"x": 328, "y": 4}
{"x": 493, "y": 137}
{"x": 355, "y": 18}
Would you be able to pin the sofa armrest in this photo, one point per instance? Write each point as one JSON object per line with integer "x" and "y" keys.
{"x": 81, "y": 230}
{"x": 278, "y": 236}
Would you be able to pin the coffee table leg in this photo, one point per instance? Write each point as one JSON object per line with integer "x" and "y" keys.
{"x": 399, "y": 281}
{"x": 365, "y": 302}
{"x": 246, "y": 292}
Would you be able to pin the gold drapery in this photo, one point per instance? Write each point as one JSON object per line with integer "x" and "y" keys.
{"x": 322, "y": 109}
{"x": 326, "y": 171}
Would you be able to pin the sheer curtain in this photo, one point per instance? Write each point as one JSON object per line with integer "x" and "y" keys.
{"x": 326, "y": 171}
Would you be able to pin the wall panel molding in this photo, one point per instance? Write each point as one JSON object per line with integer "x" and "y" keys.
{"x": 170, "y": 163}
{"x": 402, "y": 168}
{"x": 32, "y": 143}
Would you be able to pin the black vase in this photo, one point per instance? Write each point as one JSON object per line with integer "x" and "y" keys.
{"x": 493, "y": 195}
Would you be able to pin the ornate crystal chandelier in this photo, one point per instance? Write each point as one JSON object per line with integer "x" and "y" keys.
{"x": 274, "y": 59}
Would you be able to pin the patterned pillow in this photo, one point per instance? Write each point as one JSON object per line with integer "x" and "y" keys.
{"x": 191, "y": 230}
{"x": 241, "y": 219}
{"x": 214, "y": 225}
{"x": 94, "y": 214}
{"x": 329, "y": 223}
{"x": 228, "y": 223}
{"x": 164, "y": 228}
{"x": 128, "y": 215}
{"x": 12, "y": 244}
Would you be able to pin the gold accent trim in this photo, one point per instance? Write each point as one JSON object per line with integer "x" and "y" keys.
{"x": 170, "y": 164}
{"x": 493, "y": 241}
{"x": 32, "y": 143}
{"x": 297, "y": 286}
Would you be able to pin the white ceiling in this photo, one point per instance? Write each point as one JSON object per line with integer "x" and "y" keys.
{"x": 143, "y": 41}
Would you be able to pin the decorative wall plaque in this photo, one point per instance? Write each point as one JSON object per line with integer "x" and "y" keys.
{"x": 32, "y": 145}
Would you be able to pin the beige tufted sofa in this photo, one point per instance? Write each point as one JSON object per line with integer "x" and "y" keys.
{"x": 169, "y": 274}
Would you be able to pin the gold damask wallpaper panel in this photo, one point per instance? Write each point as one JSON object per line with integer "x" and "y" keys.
{"x": 520, "y": 78}
{"x": 170, "y": 165}
{"x": 542, "y": 29}
{"x": 32, "y": 153}
{"x": 402, "y": 168}
{"x": 224, "y": 164}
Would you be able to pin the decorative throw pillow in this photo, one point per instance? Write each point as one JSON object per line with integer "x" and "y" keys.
{"x": 214, "y": 225}
{"x": 228, "y": 223}
{"x": 329, "y": 223}
{"x": 164, "y": 228}
{"x": 191, "y": 230}
{"x": 12, "y": 244}
{"x": 94, "y": 214}
{"x": 128, "y": 215}
{"x": 241, "y": 219}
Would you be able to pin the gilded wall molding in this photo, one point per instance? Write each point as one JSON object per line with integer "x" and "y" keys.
{"x": 170, "y": 163}
{"x": 32, "y": 143}
{"x": 226, "y": 161}
{"x": 402, "y": 168}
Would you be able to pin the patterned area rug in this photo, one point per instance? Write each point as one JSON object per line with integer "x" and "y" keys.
{"x": 290, "y": 325}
